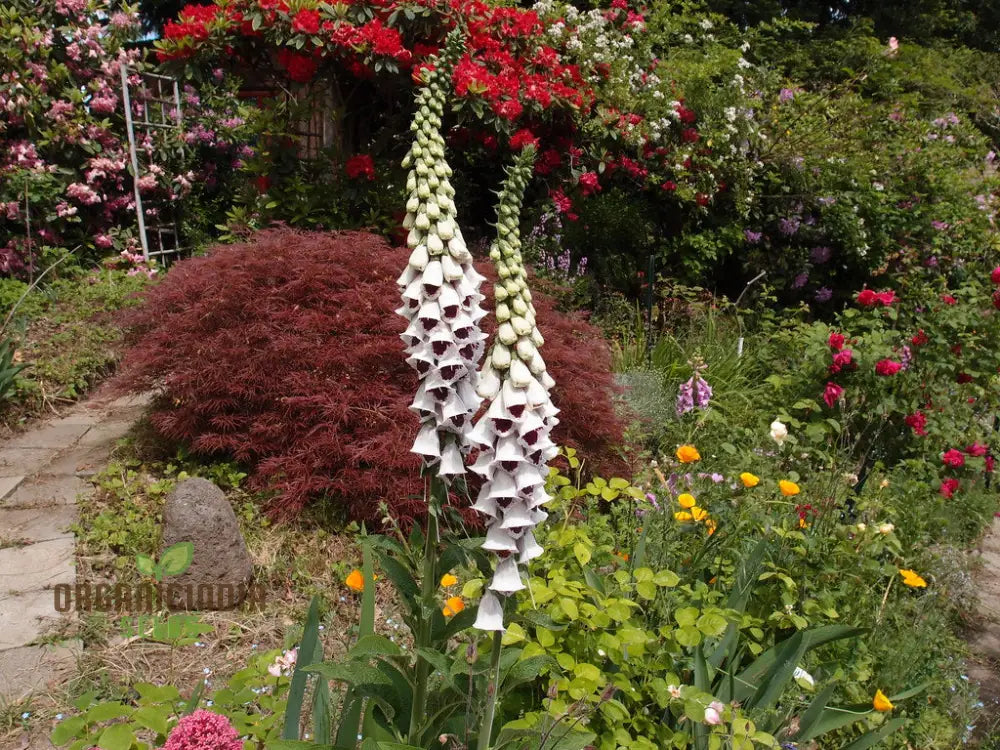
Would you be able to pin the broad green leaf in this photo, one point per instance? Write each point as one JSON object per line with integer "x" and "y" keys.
{"x": 67, "y": 729}
{"x": 373, "y": 645}
{"x": 582, "y": 553}
{"x": 176, "y": 559}
{"x": 144, "y": 564}
{"x": 646, "y": 589}
{"x": 116, "y": 737}
{"x": 108, "y": 711}
{"x": 686, "y": 616}
{"x": 151, "y": 718}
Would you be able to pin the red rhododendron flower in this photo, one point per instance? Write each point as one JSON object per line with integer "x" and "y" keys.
{"x": 989, "y": 464}
{"x": 701, "y": 199}
{"x": 887, "y": 367}
{"x": 509, "y": 109}
{"x": 841, "y": 360}
{"x": 306, "y": 22}
{"x": 996, "y": 299}
{"x": 301, "y": 68}
{"x": 669, "y": 186}
{"x": 995, "y": 275}
{"x": 917, "y": 422}
{"x": 360, "y": 165}
{"x": 561, "y": 200}
{"x": 948, "y": 299}
{"x": 977, "y": 450}
{"x": 690, "y": 135}
{"x": 953, "y": 458}
{"x": 949, "y": 487}
{"x": 836, "y": 341}
{"x": 589, "y": 183}
{"x": 831, "y": 393}
{"x": 886, "y": 298}
{"x": 522, "y": 138}
{"x": 920, "y": 338}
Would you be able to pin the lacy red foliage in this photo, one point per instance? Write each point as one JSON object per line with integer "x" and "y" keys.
{"x": 285, "y": 353}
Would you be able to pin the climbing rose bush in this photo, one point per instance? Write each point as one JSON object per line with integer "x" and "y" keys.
{"x": 65, "y": 176}
{"x": 285, "y": 352}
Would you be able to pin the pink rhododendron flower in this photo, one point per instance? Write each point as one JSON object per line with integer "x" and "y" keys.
{"x": 203, "y": 730}
{"x": 836, "y": 341}
{"x": 977, "y": 450}
{"x": 842, "y": 359}
{"x": 917, "y": 422}
{"x": 995, "y": 275}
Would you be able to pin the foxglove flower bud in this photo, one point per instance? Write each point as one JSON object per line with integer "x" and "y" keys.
{"x": 513, "y": 434}
{"x": 440, "y": 289}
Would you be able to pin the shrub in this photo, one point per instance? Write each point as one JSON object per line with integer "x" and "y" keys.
{"x": 284, "y": 352}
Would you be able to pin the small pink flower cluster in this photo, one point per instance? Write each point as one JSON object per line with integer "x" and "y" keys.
{"x": 203, "y": 730}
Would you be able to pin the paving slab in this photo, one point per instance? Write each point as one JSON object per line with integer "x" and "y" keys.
{"x": 26, "y": 617}
{"x": 8, "y": 485}
{"x": 24, "y": 461}
{"x": 57, "y": 434}
{"x": 36, "y": 566}
{"x": 37, "y": 524}
{"x": 36, "y": 669}
{"x": 45, "y": 490}
{"x": 106, "y": 434}
{"x": 80, "y": 460}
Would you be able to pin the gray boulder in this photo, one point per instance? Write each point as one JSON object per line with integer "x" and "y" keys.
{"x": 220, "y": 570}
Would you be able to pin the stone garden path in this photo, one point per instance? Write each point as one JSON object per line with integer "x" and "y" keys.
{"x": 42, "y": 471}
{"x": 984, "y": 636}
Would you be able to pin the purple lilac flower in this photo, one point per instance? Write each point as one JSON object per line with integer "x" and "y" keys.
{"x": 820, "y": 255}
{"x": 652, "y": 500}
{"x": 788, "y": 226}
{"x": 800, "y": 281}
{"x": 940, "y": 225}
{"x": 906, "y": 358}
{"x": 752, "y": 237}
{"x": 786, "y": 95}
{"x": 823, "y": 294}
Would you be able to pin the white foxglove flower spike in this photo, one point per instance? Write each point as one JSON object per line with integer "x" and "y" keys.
{"x": 513, "y": 433}
{"x": 439, "y": 288}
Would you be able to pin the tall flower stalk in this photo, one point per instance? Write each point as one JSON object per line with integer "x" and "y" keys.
{"x": 444, "y": 343}
{"x": 513, "y": 435}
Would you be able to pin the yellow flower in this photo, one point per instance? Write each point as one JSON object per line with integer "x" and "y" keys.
{"x": 355, "y": 581}
{"x": 453, "y": 606}
{"x": 686, "y": 501}
{"x": 448, "y": 580}
{"x": 699, "y": 514}
{"x": 683, "y": 516}
{"x": 687, "y": 454}
{"x": 788, "y": 488}
{"x": 881, "y": 703}
{"x": 749, "y": 480}
{"x": 910, "y": 578}
{"x": 803, "y": 524}
{"x": 711, "y": 526}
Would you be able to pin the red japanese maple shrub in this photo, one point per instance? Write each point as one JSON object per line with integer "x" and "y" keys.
{"x": 284, "y": 353}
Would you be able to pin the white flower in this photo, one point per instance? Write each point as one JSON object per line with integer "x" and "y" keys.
{"x": 886, "y": 528}
{"x": 440, "y": 291}
{"x": 779, "y": 432}
{"x": 862, "y": 527}
{"x": 674, "y": 690}
{"x": 802, "y": 677}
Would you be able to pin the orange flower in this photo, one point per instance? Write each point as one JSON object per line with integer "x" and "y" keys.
{"x": 881, "y": 703}
{"x": 912, "y": 579}
{"x": 686, "y": 501}
{"x": 355, "y": 581}
{"x": 711, "y": 526}
{"x": 448, "y": 580}
{"x": 699, "y": 514}
{"x": 682, "y": 515}
{"x": 788, "y": 488}
{"x": 687, "y": 454}
{"x": 749, "y": 480}
{"x": 803, "y": 524}
{"x": 453, "y": 606}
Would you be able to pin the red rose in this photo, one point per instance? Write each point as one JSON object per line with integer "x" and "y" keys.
{"x": 920, "y": 338}
{"x": 886, "y": 298}
{"x": 949, "y": 487}
{"x": 841, "y": 360}
{"x": 917, "y": 422}
{"x": 867, "y": 298}
{"x": 887, "y": 367}
{"x": 836, "y": 341}
{"x": 831, "y": 393}
{"x": 977, "y": 450}
{"x": 953, "y": 458}
{"x": 948, "y": 299}
{"x": 995, "y": 275}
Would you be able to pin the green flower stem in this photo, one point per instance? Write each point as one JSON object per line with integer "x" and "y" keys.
{"x": 486, "y": 730}
{"x": 427, "y": 605}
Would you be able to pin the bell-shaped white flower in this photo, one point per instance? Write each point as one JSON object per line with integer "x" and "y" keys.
{"x": 490, "y": 614}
